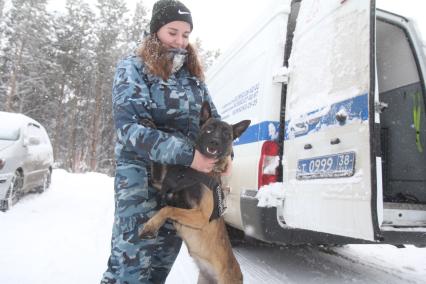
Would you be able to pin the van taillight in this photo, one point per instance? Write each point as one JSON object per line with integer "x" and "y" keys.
{"x": 268, "y": 163}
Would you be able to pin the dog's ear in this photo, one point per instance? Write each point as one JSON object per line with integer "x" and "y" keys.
{"x": 205, "y": 113}
{"x": 240, "y": 127}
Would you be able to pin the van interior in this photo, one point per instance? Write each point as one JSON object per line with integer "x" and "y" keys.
{"x": 403, "y": 127}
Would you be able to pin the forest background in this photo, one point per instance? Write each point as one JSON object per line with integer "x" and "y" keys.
{"x": 58, "y": 69}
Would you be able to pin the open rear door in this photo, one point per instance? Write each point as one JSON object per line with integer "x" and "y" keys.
{"x": 329, "y": 164}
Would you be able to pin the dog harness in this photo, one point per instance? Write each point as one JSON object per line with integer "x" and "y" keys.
{"x": 180, "y": 177}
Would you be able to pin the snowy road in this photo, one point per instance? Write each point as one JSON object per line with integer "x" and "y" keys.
{"x": 305, "y": 264}
{"x": 63, "y": 236}
{"x": 263, "y": 263}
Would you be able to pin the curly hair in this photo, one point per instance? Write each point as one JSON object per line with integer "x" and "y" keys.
{"x": 156, "y": 58}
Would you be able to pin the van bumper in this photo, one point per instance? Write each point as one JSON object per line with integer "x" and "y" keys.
{"x": 261, "y": 223}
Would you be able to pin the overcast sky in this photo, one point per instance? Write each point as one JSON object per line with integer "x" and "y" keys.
{"x": 217, "y": 22}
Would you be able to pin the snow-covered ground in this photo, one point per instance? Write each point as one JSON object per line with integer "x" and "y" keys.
{"x": 63, "y": 236}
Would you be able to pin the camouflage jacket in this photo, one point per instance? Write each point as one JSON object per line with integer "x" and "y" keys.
{"x": 173, "y": 105}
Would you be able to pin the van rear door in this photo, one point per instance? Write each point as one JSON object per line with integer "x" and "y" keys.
{"x": 329, "y": 162}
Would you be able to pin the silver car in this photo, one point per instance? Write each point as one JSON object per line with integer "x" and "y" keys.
{"x": 26, "y": 158}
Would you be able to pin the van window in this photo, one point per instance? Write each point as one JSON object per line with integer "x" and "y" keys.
{"x": 403, "y": 132}
{"x": 395, "y": 60}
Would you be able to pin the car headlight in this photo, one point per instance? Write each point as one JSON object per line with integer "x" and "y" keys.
{"x": 2, "y": 163}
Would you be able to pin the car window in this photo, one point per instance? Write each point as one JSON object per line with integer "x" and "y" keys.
{"x": 9, "y": 132}
{"x": 34, "y": 131}
{"x": 44, "y": 137}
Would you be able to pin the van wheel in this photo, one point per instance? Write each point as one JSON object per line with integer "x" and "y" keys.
{"x": 14, "y": 191}
{"x": 46, "y": 182}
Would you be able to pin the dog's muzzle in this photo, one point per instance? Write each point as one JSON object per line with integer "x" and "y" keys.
{"x": 211, "y": 149}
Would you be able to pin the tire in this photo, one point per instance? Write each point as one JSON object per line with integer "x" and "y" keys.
{"x": 47, "y": 178}
{"x": 14, "y": 190}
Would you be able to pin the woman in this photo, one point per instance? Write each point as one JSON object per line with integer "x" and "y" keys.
{"x": 163, "y": 83}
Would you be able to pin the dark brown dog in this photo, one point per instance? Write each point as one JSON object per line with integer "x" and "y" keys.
{"x": 194, "y": 203}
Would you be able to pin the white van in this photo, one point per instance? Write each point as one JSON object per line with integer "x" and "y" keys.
{"x": 336, "y": 94}
{"x": 26, "y": 158}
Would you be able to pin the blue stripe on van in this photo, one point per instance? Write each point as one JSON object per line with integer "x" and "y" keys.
{"x": 266, "y": 130}
{"x": 356, "y": 108}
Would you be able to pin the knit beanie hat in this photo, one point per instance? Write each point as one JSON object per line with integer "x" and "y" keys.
{"x": 166, "y": 11}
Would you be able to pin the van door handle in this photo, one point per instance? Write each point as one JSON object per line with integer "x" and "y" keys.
{"x": 334, "y": 141}
{"x": 307, "y": 146}
{"x": 341, "y": 117}
{"x": 300, "y": 128}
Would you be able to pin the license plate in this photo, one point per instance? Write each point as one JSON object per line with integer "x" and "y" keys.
{"x": 330, "y": 166}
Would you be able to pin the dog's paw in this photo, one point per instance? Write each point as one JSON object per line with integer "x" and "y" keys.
{"x": 148, "y": 232}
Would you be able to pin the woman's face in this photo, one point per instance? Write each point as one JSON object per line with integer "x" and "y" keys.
{"x": 174, "y": 34}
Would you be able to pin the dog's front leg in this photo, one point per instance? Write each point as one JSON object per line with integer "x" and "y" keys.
{"x": 193, "y": 218}
{"x": 151, "y": 227}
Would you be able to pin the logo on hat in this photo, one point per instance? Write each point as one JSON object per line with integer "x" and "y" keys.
{"x": 183, "y": 13}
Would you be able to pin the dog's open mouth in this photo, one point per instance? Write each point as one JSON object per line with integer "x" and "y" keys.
{"x": 212, "y": 151}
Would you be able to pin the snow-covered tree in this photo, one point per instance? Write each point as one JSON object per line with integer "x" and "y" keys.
{"x": 3, "y": 86}
{"x": 1, "y": 7}
{"x": 110, "y": 30}
{"x": 74, "y": 54}
{"x": 58, "y": 69}
{"x": 137, "y": 27}
{"x": 207, "y": 57}
{"x": 26, "y": 57}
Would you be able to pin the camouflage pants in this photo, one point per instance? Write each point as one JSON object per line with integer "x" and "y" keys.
{"x": 132, "y": 259}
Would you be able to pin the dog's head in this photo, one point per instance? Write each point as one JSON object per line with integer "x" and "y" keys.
{"x": 216, "y": 136}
